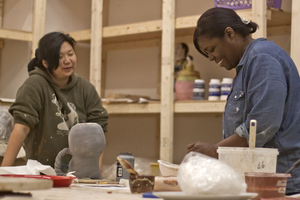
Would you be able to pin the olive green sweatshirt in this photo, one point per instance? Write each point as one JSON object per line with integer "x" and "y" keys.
{"x": 50, "y": 112}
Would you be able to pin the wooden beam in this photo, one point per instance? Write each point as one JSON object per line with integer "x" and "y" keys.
{"x": 167, "y": 80}
{"x": 134, "y": 28}
{"x": 259, "y": 16}
{"x": 147, "y": 27}
{"x": 16, "y": 35}
{"x": 96, "y": 44}
{"x": 82, "y": 35}
{"x": 149, "y": 108}
{"x": 199, "y": 106}
{"x": 295, "y": 39}
{"x": 1, "y": 12}
{"x": 38, "y": 25}
{"x": 133, "y": 45}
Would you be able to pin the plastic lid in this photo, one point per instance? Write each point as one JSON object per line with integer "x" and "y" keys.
{"x": 227, "y": 80}
{"x": 214, "y": 81}
{"x": 236, "y": 150}
{"x": 199, "y": 81}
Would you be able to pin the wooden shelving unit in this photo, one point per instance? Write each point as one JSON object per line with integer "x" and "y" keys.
{"x": 38, "y": 27}
{"x": 162, "y": 33}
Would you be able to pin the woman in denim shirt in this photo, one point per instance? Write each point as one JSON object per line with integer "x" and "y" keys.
{"x": 266, "y": 88}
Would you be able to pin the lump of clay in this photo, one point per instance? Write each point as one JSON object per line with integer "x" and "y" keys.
{"x": 86, "y": 144}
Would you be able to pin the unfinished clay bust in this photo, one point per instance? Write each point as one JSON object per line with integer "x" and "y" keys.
{"x": 86, "y": 144}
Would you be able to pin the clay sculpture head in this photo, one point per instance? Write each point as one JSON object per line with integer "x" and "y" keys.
{"x": 86, "y": 144}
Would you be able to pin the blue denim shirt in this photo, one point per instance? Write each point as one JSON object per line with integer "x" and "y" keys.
{"x": 267, "y": 88}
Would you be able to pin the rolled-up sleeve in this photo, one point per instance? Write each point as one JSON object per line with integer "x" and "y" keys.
{"x": 27, "y": 106}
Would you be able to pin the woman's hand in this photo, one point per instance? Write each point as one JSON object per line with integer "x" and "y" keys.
{"x": 204, "y": 148}
{"x": 211, "y": 149}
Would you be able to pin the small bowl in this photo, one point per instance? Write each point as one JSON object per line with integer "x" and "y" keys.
{"x": 141, "y": 183}
{"x": 168, "y": 169}
{"x": 267, "y": 185}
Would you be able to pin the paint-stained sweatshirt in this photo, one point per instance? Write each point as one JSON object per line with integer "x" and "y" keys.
{"x": 50, "y": 112}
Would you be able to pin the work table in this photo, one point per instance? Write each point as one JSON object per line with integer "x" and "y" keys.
{"x": 80, "y": 192}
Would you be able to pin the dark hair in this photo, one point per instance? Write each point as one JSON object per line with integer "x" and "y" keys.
{"x": 48, "y": 50}
{"x": 214, "y": 21}
{"x": 186, "y": 49}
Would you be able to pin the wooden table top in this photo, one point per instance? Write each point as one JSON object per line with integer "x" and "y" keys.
{"x": 80, "y": 192}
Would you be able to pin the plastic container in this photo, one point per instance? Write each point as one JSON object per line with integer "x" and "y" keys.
{"x": 199, "y": 90}
{"x": 249, "y": 160}
{"x": 225, "y": 88}
{"x": 168, "y": 169}
{"x": 245, "y": 4}
{"x": 121, "y": 172}
{"x": 199, "y": 83}
{"x": 141, "y": 183}
{"x": 214, "y": 94}
{"x": 267, "y": 185}
{"x": 155, "y": 169}
{"x": 214, "y": 90}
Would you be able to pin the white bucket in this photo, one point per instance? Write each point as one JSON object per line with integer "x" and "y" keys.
{"x": 249, "y": 159}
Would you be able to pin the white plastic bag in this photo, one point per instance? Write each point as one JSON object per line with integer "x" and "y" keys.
{"x": 199, "y": 174}
{"x": 7, "y": 123}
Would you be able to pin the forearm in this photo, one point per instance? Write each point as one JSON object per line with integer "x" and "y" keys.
{"x": 101, "y": 161}
{"x": 233, "y": 141}
{"x": 15, "y": 142}
{"x": 211, "y": 149}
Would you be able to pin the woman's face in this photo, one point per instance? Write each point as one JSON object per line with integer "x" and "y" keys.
{"x": 67, "y": 62}
{"x": 220, "y": 50}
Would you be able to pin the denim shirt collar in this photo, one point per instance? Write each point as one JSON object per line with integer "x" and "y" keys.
{"x": 246, "y": 54}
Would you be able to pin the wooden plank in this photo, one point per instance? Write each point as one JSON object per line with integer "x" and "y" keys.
{"x": 199, "y": 106}
{"x": 145, "y": 30}
{"x": 1, "y": 12}
{"x": 184, "y": 26}
{"x": 167, "y": 80}
{"x": 96, "y": 44}
{"x": 295, "y": 39}
{"x": 278, "y": 17}
{"x": 186, "y": 22}
{"x": 155, "y": 107}
{"x": 15, "y": 35}
{"x": 38, "y": 25}
{"x": 132, "y": 44}
{"x": 130, "y": 108}
{"x": 134, "y": 28}
{"x": 259, "y": 16}
{"x": 82, "y": 35}
{"x": 103, "y": 71}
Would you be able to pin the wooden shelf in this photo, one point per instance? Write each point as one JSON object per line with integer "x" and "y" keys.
{"x": 277, "y": 18}
{"x": 144, "y": 30}
{"x": 133, "y": 108}
{"x": 199, "y": 106}
{"x": 154, "y": 107}
{"x": 16, "y": 35}
{"x": 149, "y": 29}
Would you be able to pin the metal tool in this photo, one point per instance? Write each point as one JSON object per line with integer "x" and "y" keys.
{"x": 296, "y": 164}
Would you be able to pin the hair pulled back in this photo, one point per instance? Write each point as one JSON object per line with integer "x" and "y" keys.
{"x": 214, "y": 21}
{"x": 49, "y": 50}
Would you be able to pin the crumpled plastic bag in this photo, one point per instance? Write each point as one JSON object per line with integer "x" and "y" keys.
{"x": 199, "y": 174}
{"x": 6, "y": 125}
